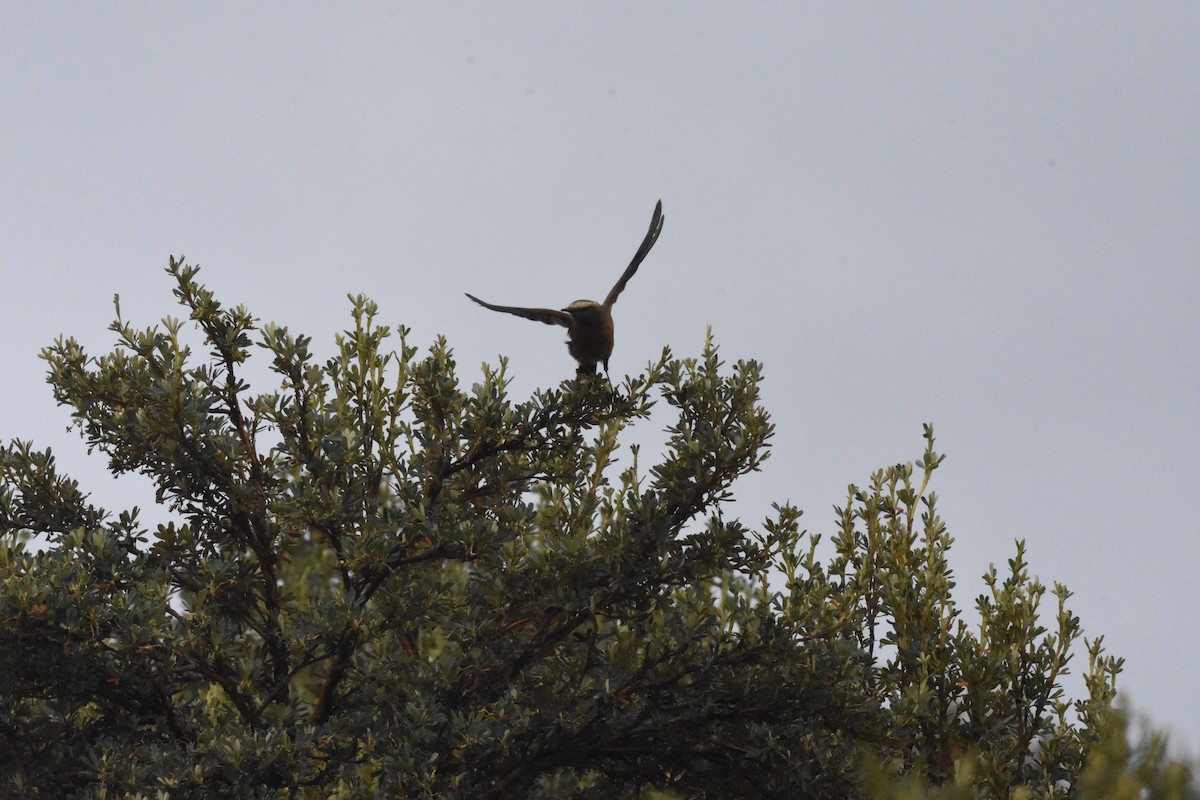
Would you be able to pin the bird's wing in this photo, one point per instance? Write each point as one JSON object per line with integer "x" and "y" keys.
{"x": 549, "y": 316}
{"x": 656, "y": 223}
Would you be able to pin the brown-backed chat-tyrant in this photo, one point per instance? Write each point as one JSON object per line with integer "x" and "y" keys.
{"x": 589, "y": 324}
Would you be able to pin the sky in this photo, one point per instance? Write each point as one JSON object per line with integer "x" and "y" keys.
{"x": 982, "y": 216}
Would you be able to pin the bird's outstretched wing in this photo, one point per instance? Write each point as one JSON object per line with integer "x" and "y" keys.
{"x": 549, "y": 316}
{"x": 656, "y": 223}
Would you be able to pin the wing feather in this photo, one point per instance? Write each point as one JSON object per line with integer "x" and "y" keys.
{"x": 549, "y": 316}
{"x": 656, "y": 223}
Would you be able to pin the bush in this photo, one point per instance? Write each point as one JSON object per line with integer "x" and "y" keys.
{"x": 378, "y": 581}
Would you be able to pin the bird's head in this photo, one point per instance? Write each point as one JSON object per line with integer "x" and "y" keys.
{"x": 586, "y": 310}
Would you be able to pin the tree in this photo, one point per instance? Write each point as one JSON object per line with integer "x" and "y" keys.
{"x": 379, "y": 581}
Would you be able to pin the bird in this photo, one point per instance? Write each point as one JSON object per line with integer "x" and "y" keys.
{"x": 589, "y": 324}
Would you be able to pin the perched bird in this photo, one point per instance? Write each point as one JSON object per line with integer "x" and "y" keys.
{"x": 589, "y": 324}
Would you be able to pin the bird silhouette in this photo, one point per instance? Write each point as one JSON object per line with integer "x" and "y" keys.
{"x": 589, "y": 324}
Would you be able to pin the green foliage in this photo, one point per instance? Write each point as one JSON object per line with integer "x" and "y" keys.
{"x": 994, "y": 692}
{"x": 378, "y": 581}
{"x": 1112, "y": 771}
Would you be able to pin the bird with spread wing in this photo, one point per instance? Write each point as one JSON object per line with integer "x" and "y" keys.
{"x": 589, "y": 324}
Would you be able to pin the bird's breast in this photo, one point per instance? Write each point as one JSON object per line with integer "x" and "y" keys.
{"x": 592, "y": 336}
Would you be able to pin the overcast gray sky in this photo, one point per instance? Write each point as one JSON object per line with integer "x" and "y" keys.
{"x": 984, "y": 216}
